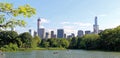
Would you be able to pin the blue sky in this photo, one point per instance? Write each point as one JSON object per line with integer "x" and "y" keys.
{"x": 72, "y": 15}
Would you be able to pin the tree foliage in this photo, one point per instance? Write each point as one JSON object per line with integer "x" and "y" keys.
{"x": 35, "y": 41}
{"x": 8, "y": 10}
{"x": 26, "y": 39}
{"x": 8, "y": 37}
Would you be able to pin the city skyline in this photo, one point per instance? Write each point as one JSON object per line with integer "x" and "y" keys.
{"x": 61, "y": 33}
{"x": 71, "y": 15}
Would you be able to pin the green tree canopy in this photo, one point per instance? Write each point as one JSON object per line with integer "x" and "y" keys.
{"x": 8, "y": 37}
{"x": 36, "y": 41}
{"x": 26, "y": 39}
{"x": 8, "y": 10}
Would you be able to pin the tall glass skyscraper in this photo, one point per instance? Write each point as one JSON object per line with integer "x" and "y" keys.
{"x": 41, "y": 31}
{"x": 96, "y": 26}
{"x": 60, "y": 33}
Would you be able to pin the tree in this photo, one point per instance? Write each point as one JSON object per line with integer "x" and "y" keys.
{"x": 110, "y": 39}
{"x": 73, "y": 43}
{"x": 79, "y": 42}
{"x": 64, "y": 43}
{"x": 36, "y": 41}
{"x": 26, "y": 39}
{"x": 89, "y": 41}
{"x": 8, "y": 37}
{"x": 46, "y": 44}
{"x": 7, "y": 10}
{"x": 53, "y": 42}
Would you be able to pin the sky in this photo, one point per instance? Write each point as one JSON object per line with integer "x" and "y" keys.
{"x": 71, "y": 15}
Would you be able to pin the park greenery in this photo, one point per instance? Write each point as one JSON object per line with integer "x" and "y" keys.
{"x": 10, "y": 40}
{"x": 107, "y": 40}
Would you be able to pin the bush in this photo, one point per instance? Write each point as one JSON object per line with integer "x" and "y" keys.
{"x": 10, "y": 47}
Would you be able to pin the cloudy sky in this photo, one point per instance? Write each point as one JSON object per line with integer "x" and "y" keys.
{"x": 72, "y": 15}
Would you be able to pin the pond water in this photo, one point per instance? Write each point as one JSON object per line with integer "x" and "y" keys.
{"x": 62, "y": 54}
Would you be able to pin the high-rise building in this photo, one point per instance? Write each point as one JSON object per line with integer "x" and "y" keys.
{"x": 55, "y": 36}
{"x": 52, "y": 34}
{"x": 60, "y": 33}
{"x": 65, "y": 36}
{"x": 35, "y": 33}
{"x": 46, "y": 35}
{"x": 38, "y": 23}
{"x": 80, "y": 33}
{"x": 96, "y": 26}
{"x": 41, "y": 31}
{"x": 87, "y": 32}
{"x": 72, "y": 34}
{"x": 31, "y": 32}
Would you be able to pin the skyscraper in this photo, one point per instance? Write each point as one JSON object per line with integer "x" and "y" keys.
{"x": 38, "y": 23}
{"x": 41, "y": 31}
{"x": 96, "y": 26}
{"x": 31, "y": 32}
{"x": 87, "y": 32}
{"x": 35, "y": 33}
{"x": 72, "y": 34}
{"x": 52, "y": 34}
{"x": 60, "y": 33}
{"x": 47, "y": 35}
{"x": 65, "y": 35}
{"x": 80, "y": 33}
{"x": 38, "y": 26}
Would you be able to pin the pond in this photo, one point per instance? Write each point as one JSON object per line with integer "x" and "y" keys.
{"x": 62, "y": 54}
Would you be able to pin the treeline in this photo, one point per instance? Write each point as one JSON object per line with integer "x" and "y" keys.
{"x": 11, "y": 40}
{"x": 109, "y": 40}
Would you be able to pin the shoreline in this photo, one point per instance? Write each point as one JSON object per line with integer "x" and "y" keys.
{"x": 31, "y": 49}
{"x": 50, "y": 48}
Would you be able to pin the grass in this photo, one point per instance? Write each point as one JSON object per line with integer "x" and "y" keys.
{"x": 40, "y": 48}
{"x": 31, "y": 49}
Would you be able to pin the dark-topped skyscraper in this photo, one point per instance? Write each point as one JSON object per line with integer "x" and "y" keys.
{"x": 60, "y": 33}
{"x": 38, "y": 23}
{"x": 96, "y": 26}
{"x": 41, "y": 31}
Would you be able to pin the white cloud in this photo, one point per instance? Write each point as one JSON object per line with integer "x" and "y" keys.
{"x": 82, "y": 24}
{"x": 102, "y": 15}
{"x": 69, "y": 29}
{"x": 42, "y": 27}
{"x": 77, "y": 24}
{"x": 44, "y": 20}
{"x": 72, "y": 27}
{"x": 65, "y": 23}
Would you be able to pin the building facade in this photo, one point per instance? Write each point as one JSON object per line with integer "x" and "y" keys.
{"x": 80, "y": 33}
{"x": 47, "y": 35}
{"x": 96, "y": 26}
{"x": 41, "y": 33}
{"x": 31, "y": 32}
{"x": 87, "y": 32}
{"x": 52, "y": 34}
{"x": 60, "y": 33}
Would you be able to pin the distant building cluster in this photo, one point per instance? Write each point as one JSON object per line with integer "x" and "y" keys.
{"x": 60, "y": 32}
